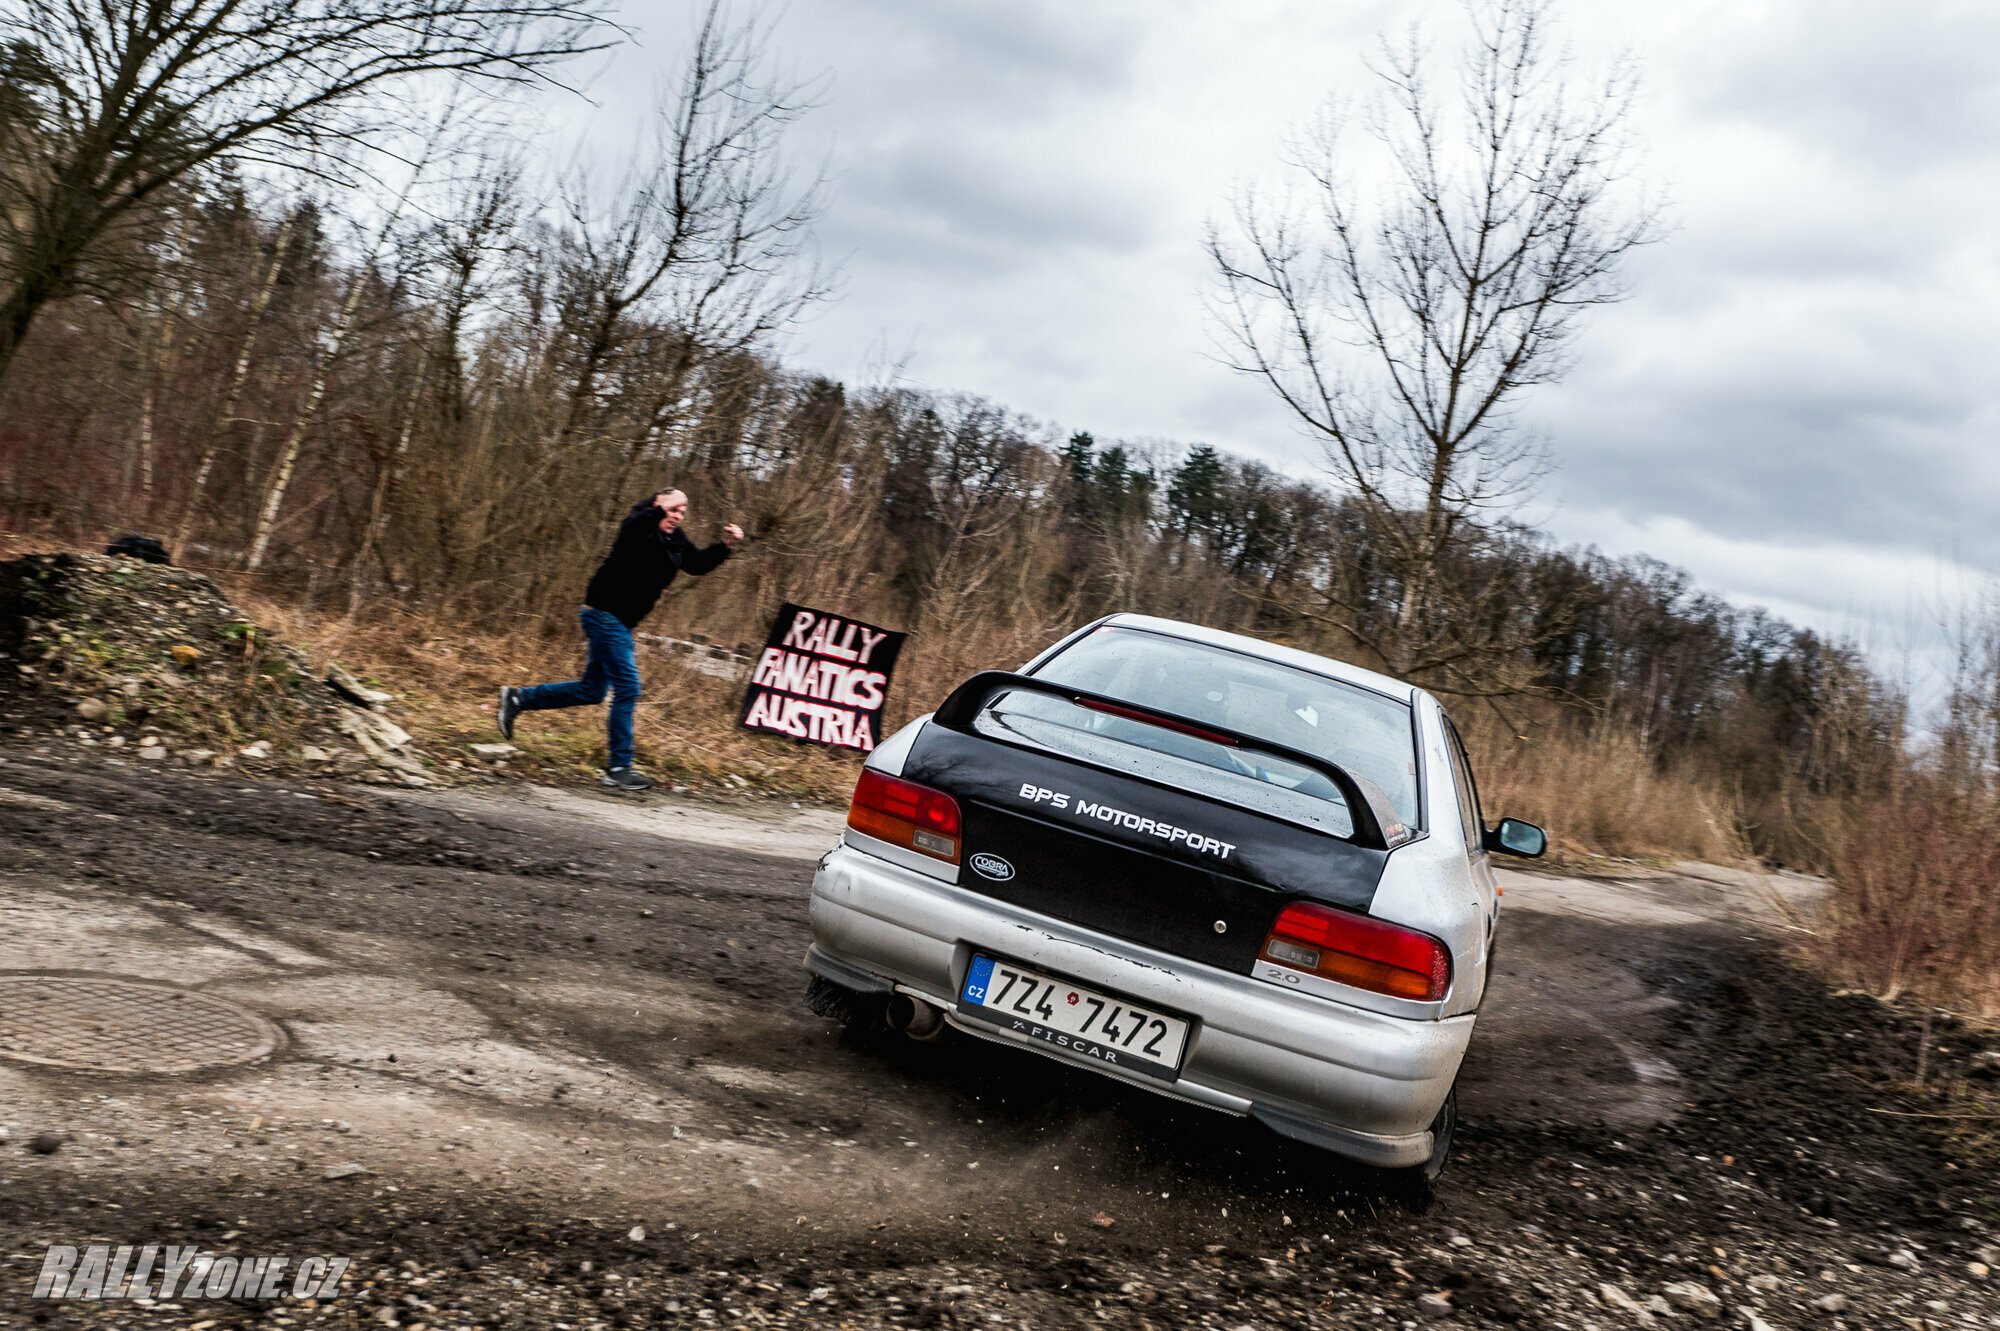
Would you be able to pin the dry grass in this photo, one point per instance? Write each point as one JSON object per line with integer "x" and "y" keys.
{"x": 1917, "y": 902}
{"x": 1599, "y": 792}
{"x": 446, "y": 681}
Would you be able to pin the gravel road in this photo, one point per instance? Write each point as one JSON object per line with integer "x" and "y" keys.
{"x": 561, "y": 1039}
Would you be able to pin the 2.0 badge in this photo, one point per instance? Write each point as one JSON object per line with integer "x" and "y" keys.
{"x": 992, "y": 866}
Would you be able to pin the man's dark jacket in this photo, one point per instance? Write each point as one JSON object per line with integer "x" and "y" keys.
{"x": 643, "y": 560}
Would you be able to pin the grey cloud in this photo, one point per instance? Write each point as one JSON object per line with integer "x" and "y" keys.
{"x": 943, "y": 204}
{"x": 1009, "y": 43}
{"x": 1019, "y": 189}
{"x": 1788, "y": 462}
{"x": 1901, "y": 86}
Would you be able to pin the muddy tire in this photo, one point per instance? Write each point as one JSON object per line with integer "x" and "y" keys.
{"x": 1443, "y": 1129}
{"x": 860, "y": 1013}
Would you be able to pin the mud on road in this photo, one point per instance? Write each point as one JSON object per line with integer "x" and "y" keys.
{"x": 561, "y": 1038}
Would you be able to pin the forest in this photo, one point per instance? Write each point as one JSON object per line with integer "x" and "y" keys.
{"x": 410, "y": 421}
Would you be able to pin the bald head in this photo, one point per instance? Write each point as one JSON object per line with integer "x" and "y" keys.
{"x": 673, "y": 507}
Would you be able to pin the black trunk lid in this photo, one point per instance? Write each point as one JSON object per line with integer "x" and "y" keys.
{"x": 1186, "y": 874}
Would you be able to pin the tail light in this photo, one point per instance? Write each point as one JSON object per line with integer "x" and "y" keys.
{"x": 906, "y": 814}
{"x": 1353, "y": 949}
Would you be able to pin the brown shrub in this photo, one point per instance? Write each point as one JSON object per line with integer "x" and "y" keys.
{"x": 1598, "y": 793}
{"x": 1917, "y": 902}
{"x": 1601, "y": 792}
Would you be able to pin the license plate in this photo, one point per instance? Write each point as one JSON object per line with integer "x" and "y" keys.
{"x": 1081, "y": 1021}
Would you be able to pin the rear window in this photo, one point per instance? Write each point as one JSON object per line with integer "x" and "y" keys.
{"x": 1361, "y": 731}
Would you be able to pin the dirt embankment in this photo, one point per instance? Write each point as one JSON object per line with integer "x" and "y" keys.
{"x": 115, "y": 653}
{"x": 559, "y": 1041}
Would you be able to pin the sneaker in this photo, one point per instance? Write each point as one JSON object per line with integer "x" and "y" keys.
{"x": 624, "y": 778}
{"x": 510, "y": 707}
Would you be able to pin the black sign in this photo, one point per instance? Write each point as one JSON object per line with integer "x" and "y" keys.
{"x": 823, "y": 678}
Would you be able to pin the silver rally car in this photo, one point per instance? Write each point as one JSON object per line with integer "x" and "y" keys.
{"x": 1226, "y": 871}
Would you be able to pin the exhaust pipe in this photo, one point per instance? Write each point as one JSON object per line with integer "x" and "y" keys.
{"x": 914, "y": 1018}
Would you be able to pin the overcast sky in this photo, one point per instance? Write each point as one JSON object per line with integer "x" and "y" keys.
{"x": 1799, "y": 402}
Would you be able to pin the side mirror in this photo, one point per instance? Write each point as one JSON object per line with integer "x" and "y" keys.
{"x": 1514, "y": 837}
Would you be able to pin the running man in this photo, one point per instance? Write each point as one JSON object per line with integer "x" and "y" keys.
{"x": 649, "y": 551}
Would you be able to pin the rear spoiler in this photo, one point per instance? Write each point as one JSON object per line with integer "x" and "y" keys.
{"x": 1376, "y": 823}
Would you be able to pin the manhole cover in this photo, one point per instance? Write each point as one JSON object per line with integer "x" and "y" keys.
{"x": 100, "y": 1024}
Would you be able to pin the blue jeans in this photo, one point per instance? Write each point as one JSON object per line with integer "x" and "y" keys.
{"x": 612, "y": 667}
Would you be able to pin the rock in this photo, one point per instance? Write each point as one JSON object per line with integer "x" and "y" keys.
{"x": 492, "y": 752}
{"x": 129, "y": 687}
{"x": 45, "y": 1143}
{"x": 349, "y": 1170}
{"x": 1615, "y": 1297}
{"x": 149, "y": 741}
{"x": 371, "y": 731}
{"x": 1754, "y": 1322}
{"x": 1978, "y": 1270}
{"x": 154, "y": 753}
{"x": 1903, "y": 1260}
{"x": 964, "y": 1291}
{"x": 185, "y": 655}
{"x": 375, "y": 734}
{"x": 1988, "y": 1254}
{"x": 1765, "y": 1284}
{"x": 352, "y": 689}
{"x": 261, "y": 749}
{"x": 1831, "y": 1303}
{"x": 379, "y": 737}
{"x": 637, "y": 1233}
{"x": 1102, "y": 1221}
{"x": 93, "y": 709}
{"x": 1688, "y": 1297}
{"x": 200, "y": 756}
{"x": 313, "y": 753}
{"x": 1434, "y": 1305}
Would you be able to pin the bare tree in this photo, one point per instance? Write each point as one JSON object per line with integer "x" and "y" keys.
{"x": 1401, "y": 310}
{"x": 108, "y": 104}
{"x": 225, "y": 416}
{"x": 456, "y": 256}
{"x": 706, "y": 255}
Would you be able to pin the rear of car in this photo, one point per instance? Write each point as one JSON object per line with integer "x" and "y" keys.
{"x": 1221, "y": 870}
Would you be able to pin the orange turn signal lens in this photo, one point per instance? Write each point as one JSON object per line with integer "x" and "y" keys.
{"x": 906, "y": 814}
{"x": 1353, "y": 949}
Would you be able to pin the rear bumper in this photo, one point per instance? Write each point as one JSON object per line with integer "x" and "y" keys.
{"x": 1359, "y": 1083}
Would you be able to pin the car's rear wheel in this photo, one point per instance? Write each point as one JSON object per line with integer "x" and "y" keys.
{"x": 1443, "y": 1129}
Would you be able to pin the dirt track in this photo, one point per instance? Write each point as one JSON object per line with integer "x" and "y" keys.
{"x": 540, "y": 1021}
